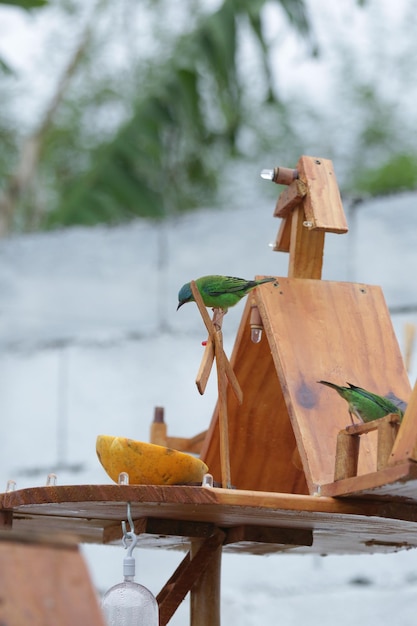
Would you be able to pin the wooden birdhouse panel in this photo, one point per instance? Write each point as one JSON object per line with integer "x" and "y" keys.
{"x": 263, "y": 451}
{"x": 341, "y": 332}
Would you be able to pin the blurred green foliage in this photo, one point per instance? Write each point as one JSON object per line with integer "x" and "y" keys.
{"x": 165, "y": 158}
{"x": 151, "y": 137}
{"x": 399, "y": 173}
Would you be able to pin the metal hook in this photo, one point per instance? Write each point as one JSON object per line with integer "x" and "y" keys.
{"x": 131, "y": 524}
{"x": 129, "y": 536}
{"x": 133, "y": 539}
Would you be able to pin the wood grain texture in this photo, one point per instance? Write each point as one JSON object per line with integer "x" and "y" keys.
{"x": 290, "y": 197}
{"x": 340, "y": 526}
{"x": 206, "y": 590}
{"x": 347, "y": 455}
{"x": 322, "y": 204}
{"x": 260, "y": 433}
{"x": 306, "y": 248}
{"x": 186, "y": 575}
{"x": 283, "y": 240}
{"x": 389, "y": 483}
{"x": 405, "y": 446}
{"x": 323, "y": 330}
{"x": 313, "y": 330}
{"x": 45, "y": 583}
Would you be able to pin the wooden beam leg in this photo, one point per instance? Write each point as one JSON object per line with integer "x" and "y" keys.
{"x": 6, "y": 520}
{"x": 185, "y": 576}
{"x": 205, "y": 593}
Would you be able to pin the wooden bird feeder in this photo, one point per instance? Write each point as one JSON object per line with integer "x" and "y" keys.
{"x": 294, "y": 475}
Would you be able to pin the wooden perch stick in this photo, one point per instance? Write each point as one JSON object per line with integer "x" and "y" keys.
{"x": 214, "y": 347}
{"x": 224, "y": 371}
{"x": 205, "y": 367}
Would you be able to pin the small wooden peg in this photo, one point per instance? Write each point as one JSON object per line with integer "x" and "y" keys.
{"x": 347, "y": 454}
{"x": 387, "y": 433}
{"x": 205, "y": 367}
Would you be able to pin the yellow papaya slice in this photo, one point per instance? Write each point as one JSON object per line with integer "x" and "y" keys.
{"x": 147, "y": 463}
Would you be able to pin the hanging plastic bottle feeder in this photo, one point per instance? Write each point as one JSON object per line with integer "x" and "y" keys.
{"x": 128, "y": 603}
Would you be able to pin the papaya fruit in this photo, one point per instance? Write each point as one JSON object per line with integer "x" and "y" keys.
{"x": 147, "y": 463}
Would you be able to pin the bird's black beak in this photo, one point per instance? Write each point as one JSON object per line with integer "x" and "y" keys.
{"x": 180, "y": 304}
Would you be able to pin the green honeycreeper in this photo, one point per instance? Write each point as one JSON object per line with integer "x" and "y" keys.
{"x": 367, "y": 406}
{"x": 220, "y": 292}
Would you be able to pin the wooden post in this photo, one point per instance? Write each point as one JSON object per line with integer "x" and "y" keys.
{"x": 347, "y": 454}
{"x": 306, "y": 248}
{"x": 387, "y": 433}
{"x": 310, "y": 206}
{"x": 205, "y": 593}
{"x": 44, "y": 580}
{"x": 405, "y": 446}
{"x": 223, "y": 424}
{"x": 197, "y": 563}
{"x": 158, "y": 434}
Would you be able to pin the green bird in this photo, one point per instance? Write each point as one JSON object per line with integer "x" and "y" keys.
{"x": 365, "y": 405}
{"x": 220, "y": 292}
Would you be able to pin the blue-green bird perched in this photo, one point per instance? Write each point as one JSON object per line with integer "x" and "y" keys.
{"x": 220, "y": 292}
{"x": 365, "y": 405}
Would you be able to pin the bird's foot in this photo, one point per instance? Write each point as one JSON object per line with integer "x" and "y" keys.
{"x": 218, "y": 315}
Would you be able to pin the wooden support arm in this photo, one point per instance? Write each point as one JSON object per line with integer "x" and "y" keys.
{"x": 185, "y": 577}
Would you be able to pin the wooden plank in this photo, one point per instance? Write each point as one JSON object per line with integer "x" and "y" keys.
{"x": 206, "y": 590}
{"x": 283, "y": 240}
{"x": 289, "y": 198}
{"x": 261, "y": 534}
{"x": 322, "y": 204}
{"x": 45, "y": 582}
{"x": 398, "y": 481}
{"x": 157, "y": 526}
{"x": 367, "y": 427}
{"x": 323, "y": 330}
{"x": 387, "y": 433}
{"x": 347, "y": 455}
{"x": 340, "y": 526}
{"x": 6, "y": 520}
{"x": 206, "y": 365}
{"x": 405, "y": 446}
{"x": 184, "y": 577}
{"x": 306, "y": 248}
{"x": 260, "y": 432}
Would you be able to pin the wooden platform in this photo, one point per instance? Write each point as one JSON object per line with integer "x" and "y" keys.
{"x": 253, "y": 522}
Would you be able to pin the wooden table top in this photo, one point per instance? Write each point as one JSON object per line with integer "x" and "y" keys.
{"x": 255, "y": 521}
